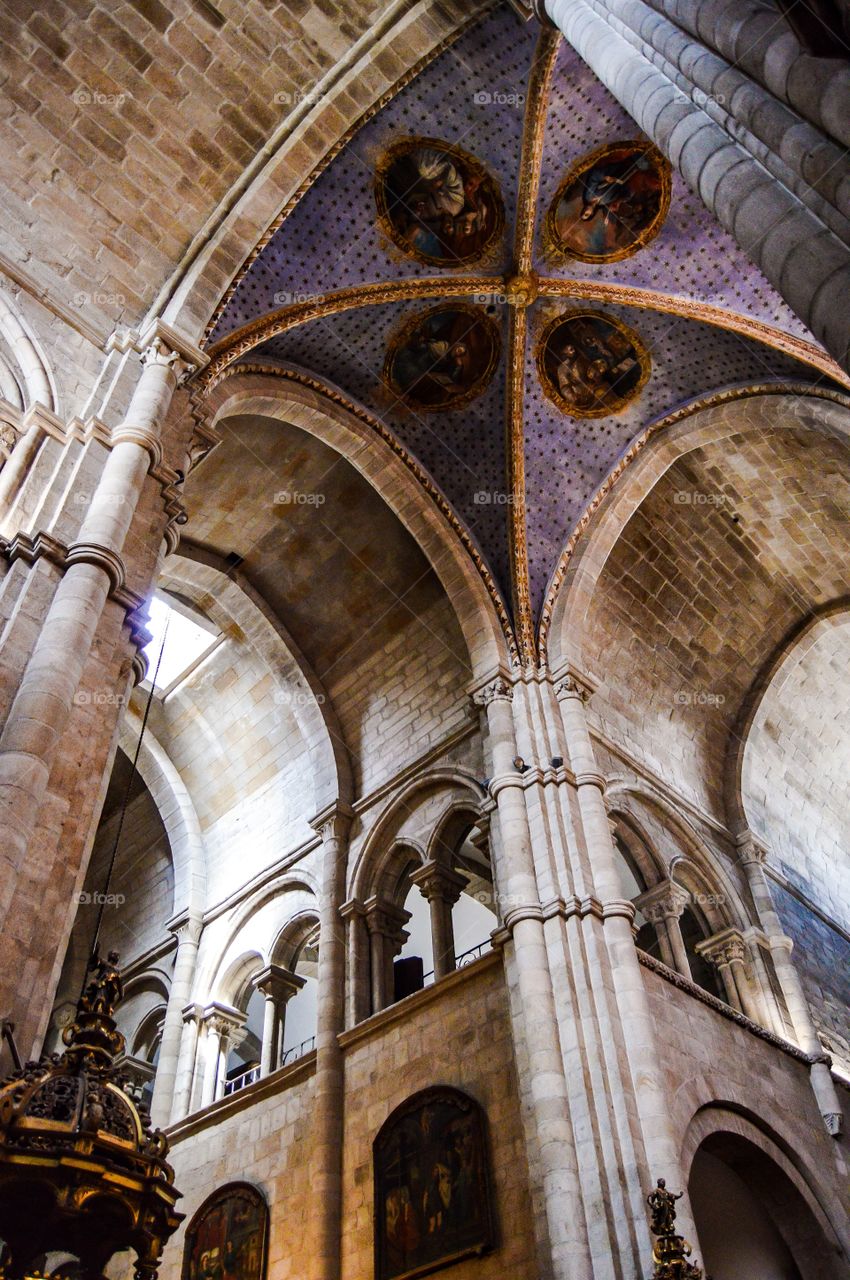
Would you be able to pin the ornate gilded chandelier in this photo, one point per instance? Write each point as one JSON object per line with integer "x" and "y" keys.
{"x": 81, "y": 1171}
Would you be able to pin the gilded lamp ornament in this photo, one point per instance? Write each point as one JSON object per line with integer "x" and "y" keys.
{"x": 81, "y": 1170}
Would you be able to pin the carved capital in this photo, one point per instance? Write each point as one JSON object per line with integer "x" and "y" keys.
{"x": 725, "y": 947}
{"x": 162, "y": 345}
{"x": 388, "y": 920}
{"x": 664, "y": 901}
{"x": 334, "y": 822}
{"x": 278, "y": 984}
{"x": 751, "y": 850}
{"x": 186, "y": 927}
{"x": 496, "y": 690}
{"x": 437, "y": 881}
{"x": 223, "y": 1021}
{"x": 572, "y": 686}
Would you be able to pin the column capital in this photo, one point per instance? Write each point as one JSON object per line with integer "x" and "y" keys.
{"x": 574, "y": 684}
{"x": 277, "y": 983}
{"x": 725, "y": 947}
{"x": 664, "y": 901}
{"x": 434, "y": 880}
{"x": 161, "y": 344}
{"x": 335, "y": 820}
{"x": 751, "y": 850}
{"x": 223, "y": 1019}
{"x": 187, "y": 926}
{"x": 385, "y": 918}
{"x": 354, "y": 907}
{"x": 193, "y": 1013}
{"x": 497, "y": 690}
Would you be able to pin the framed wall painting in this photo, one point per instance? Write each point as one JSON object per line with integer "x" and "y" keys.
{"x": 227, "y": 1238}
{"x": 433, "y": 1199}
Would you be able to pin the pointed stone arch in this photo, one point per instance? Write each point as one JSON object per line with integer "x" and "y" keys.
{"x": 399, "y": 481}
{"x": 703, "y": 422}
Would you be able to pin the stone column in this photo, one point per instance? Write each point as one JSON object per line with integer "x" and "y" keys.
{"x": 278, "y": 985}
{"x": 635, "y": 1019}
{"x": 752, "y": 857}
{"x": 806, "y": 262}
{"x": 358, "y": 985}
{"x": 441, "y": 887}
{"x": 223, "y": 1026}
{"x": 187, "y": 930}
{"x": 385, "y": 922}
{"x": 663, "y": 904}
{"x": 561, "y": 1228}
{"x": 41, "y": 708}
{"x": 186, "y": 1062}
{"x": 329, "y": 1084}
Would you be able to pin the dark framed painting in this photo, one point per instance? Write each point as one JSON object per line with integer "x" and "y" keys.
{"x": 444, "y": 357}
{"x": 433, "y": 1199}
{"x": 437, "y": 203}
{"x": 228, "y": 1237}
{"x": 591, "y": 365}
{"x": 610, "y": 204}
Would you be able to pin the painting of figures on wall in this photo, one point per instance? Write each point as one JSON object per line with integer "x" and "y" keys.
{"x": 227, "y": 1238}
{"x": 611, "y": 203}
{"x": 432, "y": 1187}
{"x": 590, "y": 364}
{"x": 443, "y": 357}
{"x": 436, "y": 202}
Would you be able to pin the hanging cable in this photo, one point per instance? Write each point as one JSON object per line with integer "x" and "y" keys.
{"x": 126, "y": 800}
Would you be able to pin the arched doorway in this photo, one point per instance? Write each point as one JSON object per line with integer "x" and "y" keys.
{"x": 752, "y": 1220}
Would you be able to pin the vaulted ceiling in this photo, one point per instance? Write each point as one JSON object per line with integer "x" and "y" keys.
{"x": 334, "y": 291}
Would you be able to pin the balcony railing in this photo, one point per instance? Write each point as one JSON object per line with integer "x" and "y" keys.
{"x": 241, "y": 1082}
{"x": 465, "y": 958}
{"x": 252, "y": 1075}
{"x": 298, "y": 1051}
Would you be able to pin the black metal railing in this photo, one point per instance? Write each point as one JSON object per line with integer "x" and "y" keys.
{"x": 462, "y": 960}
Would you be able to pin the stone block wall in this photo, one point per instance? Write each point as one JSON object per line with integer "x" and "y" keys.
{"x": 712, "y": 1063}
{"x": 457, "y": 1034}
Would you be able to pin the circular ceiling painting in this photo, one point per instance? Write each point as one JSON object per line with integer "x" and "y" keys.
{"x": 443, "y": 357}
{"x": 437, "y": 203}
{"x": 590, "y": 364}
{"x": 611, "y": 203}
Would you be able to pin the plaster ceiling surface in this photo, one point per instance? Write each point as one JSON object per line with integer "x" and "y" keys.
{"x": 564, "y": 469}
{"x": 332, "y": 239}
{"x": 322, "y": 548}
{"x": 692, "y": 256}
{"x": 329, "y": 290}
{"x": 464, "y": 450}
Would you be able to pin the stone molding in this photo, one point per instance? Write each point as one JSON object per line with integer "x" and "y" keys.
{"x": 725, "y": 1010}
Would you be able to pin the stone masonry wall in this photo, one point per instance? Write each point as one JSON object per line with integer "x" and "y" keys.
{"x": 458, "y": 1035}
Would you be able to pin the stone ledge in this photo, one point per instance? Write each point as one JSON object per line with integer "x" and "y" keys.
{"x": 725, "y": 1010}
{"x": 419, "y": 1000}
{"x": 277, "y": 1082}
